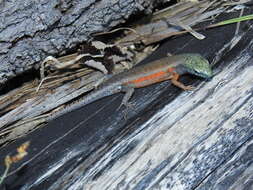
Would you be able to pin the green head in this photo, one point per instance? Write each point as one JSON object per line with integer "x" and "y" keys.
{"x": 197, "y": 65}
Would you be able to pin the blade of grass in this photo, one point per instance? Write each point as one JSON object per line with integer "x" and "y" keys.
{"x": 232, "y": 21}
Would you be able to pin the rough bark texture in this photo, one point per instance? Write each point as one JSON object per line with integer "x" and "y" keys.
{"x": 30, "y": 30}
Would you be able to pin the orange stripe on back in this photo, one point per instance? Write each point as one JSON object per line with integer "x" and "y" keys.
{"x": 149, "y": 77}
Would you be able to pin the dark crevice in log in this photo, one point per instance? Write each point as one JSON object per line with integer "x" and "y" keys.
{"x": 19, "y": 80}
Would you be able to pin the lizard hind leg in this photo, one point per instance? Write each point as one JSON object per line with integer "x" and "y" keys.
{"x": 125, "y": 102}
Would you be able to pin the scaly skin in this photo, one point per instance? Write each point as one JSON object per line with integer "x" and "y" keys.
{"x": 168, "y": 68}
{"x": 197, "y": 65}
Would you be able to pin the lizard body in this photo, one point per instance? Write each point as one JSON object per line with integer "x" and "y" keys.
{"x": 168, "y": 68}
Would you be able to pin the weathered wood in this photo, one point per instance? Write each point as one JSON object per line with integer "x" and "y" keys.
{"x": 185, "y": 142}
{"x": 30, "y": 30}
{"x": 193, "y": 140}
{"x": 235, "y": 172}
{"x": 168, "y": 22}
{"x": 27, "y": 103}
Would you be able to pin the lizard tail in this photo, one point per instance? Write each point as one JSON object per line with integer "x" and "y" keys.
{"x": 91, "y": 97}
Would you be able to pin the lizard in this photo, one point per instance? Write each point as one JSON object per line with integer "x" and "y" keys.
{"x": 167, "y": 68}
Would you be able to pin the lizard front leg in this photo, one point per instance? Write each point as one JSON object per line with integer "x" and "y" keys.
{"x": 175, "y": 82}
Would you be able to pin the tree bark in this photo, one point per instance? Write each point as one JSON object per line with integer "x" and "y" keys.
{"x": 30, "y": 30}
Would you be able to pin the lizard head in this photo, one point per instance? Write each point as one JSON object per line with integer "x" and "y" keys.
{"x": 197, "y": 65}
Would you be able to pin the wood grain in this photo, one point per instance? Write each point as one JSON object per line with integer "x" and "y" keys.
{"x": 187, "y": 140}
{"x": 174, "y": 140}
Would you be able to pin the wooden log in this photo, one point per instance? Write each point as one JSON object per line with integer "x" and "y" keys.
{"x": 28, "y": 102}
{"x": 175, "y": 140}
{"x": 32, "y": 30}
{"x": 191, "y": 143}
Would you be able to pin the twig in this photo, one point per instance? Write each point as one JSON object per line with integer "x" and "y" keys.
{"x": 117, "y": 29}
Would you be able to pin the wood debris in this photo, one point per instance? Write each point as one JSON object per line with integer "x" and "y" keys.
{"x": 66, "y": 78}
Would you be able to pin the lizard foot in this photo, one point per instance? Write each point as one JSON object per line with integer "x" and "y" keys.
{"x": 129, "y": 107}
{"x": 189, "y": 87}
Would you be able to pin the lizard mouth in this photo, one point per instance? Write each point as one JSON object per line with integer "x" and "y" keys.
{"x": 207, "y": 77}
{"x": 207, "y": 74}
